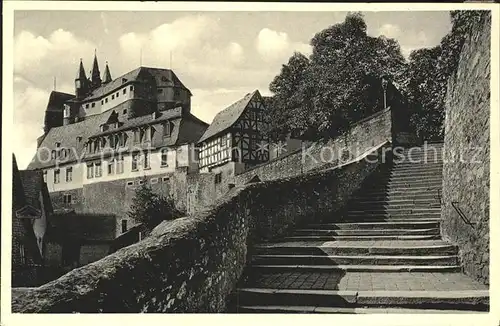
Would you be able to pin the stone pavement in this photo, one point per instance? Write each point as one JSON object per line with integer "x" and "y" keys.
{"x": 364, "y": 281}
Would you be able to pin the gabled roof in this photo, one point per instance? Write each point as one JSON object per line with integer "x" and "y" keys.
{"x": 18, "y": 197}
{"x": 32, "y": 184}
{"x": 57, "y": 100}
{"x": 67, "y": 137}
{"x": 186, "y": 128}
{"x": 132, "y": 76}
{"x": 227, "y": 117}
{"x": 34, "y": 187}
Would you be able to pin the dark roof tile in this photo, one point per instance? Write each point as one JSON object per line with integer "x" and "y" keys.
{"x": 227, "y": 117}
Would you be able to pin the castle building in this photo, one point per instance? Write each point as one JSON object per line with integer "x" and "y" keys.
{"x": 114, "y": 134}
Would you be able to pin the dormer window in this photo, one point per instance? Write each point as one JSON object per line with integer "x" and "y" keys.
{"x": 136, "y": 136}
{"x": 147, "y": 134}
{"x": 124, "y": 80}
{"x": 58, "y": 144}
{"x": 164, "y": 79}
{"x": 167, "y": 131}
{"x": 78, "y": 138}
{"x": 66, "y": 111}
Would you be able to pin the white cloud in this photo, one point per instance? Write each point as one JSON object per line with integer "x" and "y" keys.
{"x": 29, "y": 110}
{"x": 276, "y": 46}
{"x": 190, "y": 39}
{"x": 57, "y": 54}
{"x": 390, "y": 30}
{"x": 37, "y": 60}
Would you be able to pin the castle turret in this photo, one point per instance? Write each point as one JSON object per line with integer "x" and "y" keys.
{"x": 81, "y": 82}
{"x": 95, "y": 75}
{"x": 107, "y": 75}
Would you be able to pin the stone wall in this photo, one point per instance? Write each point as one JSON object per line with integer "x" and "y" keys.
{"x": 466, "y": 176}
{"x": 364, "y": 135}
{"x": 192, "y": 264}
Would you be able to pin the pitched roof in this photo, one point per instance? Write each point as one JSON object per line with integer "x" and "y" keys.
{"x": 135, "y": 75}
{"x": 107, "y": 74}
{"x": 57, "y": 100}
{"x": 19, "y": 203}
{"x": 32, "y": 184}
{"x": 227, "y": 117}
{"x": 18, "y": 197}
{"x": 186, "y": 128}
{"x": 67, "y": 137}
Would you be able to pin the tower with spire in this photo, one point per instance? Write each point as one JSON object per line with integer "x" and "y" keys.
{"x": 81, "y": 82}
{"x": 95, "y": 81}
{"x": 107, "y": 75}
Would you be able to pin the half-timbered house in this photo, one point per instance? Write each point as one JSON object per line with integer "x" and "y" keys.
{"x": 234, "y": 139}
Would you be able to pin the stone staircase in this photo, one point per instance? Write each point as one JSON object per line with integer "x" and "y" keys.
{"x": 384, "y": 255}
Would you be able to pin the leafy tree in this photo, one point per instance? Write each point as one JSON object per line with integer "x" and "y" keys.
{"x": 150, "y": 208}
{"x": 429, "y": 71}
{"x": 319, "y": 97}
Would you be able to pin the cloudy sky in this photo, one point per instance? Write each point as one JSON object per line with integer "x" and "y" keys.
{"x": 220, "y": 56}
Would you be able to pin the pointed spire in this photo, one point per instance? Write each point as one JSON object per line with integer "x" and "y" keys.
{"x": 107, "y": 74}
{"x": 96, "y": 74}
{"x": 81, "y": 72}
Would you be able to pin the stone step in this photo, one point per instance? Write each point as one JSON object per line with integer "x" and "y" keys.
{"x": 358, "y": 219}
{"x": 396, "y": 202}
{"x": 351, "y": 248}
{"x": 410, "y": 176}
{"x": 296, "y": 259}
{"x": 394, "y": 211}
{"x": 397, "y": 185}
{"x": 358, "y": 268}
{"x": 389, "y": 206}
{"x": 276, "y": 309}
{"x": 437, "y": 173}
{"x": 394, "y": 197}
{"x": 418, "y": 157}
{"x": 416, "y": 167}
{"x": 330, "y": 300}
{"x": 411, "y": 179}
{"x": 401, "y": 188}
{"x": 374, "y": 225}
{"x": 365, "y": 232}
{"x": 369, "y": 215}
{"x": 360, "y": 237}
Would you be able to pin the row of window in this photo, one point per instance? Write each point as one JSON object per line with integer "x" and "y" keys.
{"x": 112, "y": 141}
{"x": 115, "y": 166}
{"x": 57, "y": 175}
{"x": 94, "y": 169}
{"x": 221, "y": 157}
{"x": 151, "y": 181}
{"x": 140, "y": 135}
{"x": 113, "y": 96}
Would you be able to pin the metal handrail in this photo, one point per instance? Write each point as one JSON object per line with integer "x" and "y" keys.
{"x": 461, "y": 214}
